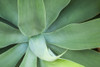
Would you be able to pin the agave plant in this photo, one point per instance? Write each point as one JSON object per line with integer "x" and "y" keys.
{"x": 49, "y": 33}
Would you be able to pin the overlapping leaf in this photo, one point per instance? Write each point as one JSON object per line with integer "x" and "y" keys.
{"x": 31, "y": 16}
{"x": 53, "y": 8}
{"x": 77, "y": 11}
{"x": 10, "y": 35}
{"x": 12, "y": 56}
{"x": 39, "y": 48}
{"x": 77, "y": 36}
{"x": 30, "y": 60}
{"x": 8, "y": 11}
{"x": 88, "y": 58}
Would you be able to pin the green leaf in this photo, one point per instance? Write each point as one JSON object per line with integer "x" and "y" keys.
{"x": 53, "y": 8}
{"x": 30, "y": 60}
{"x": 77, "y": 36}
{"x": 2, "y": 50}
{"x": 88, "y": 58}
{"x": 77, "y": 11}
{"x": 12, "y": 56}
{"x": 8, "y": 10}
{"x": 60, "y": 63}
{"x": 31, "y": 15}
{"x": 10, "y": 35}
{"x": 38, "y": 46}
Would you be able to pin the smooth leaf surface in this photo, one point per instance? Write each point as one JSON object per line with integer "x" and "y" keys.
{"x": 53, "y": 8}
{"x": 88, "y": 58}
{"x": 60, "y": 63}
{"x": 77, "y": 11}
{"x": 10, "y": 35}
{"x": 12, "y": 56}
{"x": 77, "y": 36}
{"x": 8, "y": 11}
{"x": 31, "y": 16}
{"x": 30, "y": 60}
{"x": 2, "y": 50}
{"x": 38, "y": 46}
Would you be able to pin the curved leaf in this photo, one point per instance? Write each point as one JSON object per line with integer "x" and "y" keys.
{"x": 8, "y": 10}
{"x": 12, "y": 56}
{"x": 31, "y": 15}
{"x": 53, "y": 8}
{"x": 38, "y": 46}
{"x": 10, "y": 35}
{"x": 77, "y": 11}
{"x": 77, "y": 36}
{"x": 60, "y": 63}
{"x": 30, "y": 60}
{"x": 88, "y": 58}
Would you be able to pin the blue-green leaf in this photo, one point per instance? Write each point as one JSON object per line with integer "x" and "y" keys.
{"x": 77, "y": 11}
{"x": 76, "y": 36}
{"x": 10, "y": 35}
{"x": 39, "y": 48}
{"x": 30, "y": 60}
{"x": 12, "y": 56}
{"x": 31, "y": 17}
{"x": 53, "y": 8}
{"x": 8, "y": 11}
{"x": 88, "y": 58}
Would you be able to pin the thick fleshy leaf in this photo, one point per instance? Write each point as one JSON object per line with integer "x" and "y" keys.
{"x": 32, "y": 18}
{"x": 88, "y": 58}
{"x": 2, "y": 50}
{"x": 10, "y": 35}
{"x": 30, "y": 60}
{"x": 60, "y": 63}
{"x": 53, "y": 8}
{"x": 8, "y": 10}
{"x": 12, "y": 56}
{"x": 77, "y": 11}
{"x": 38, "y": 46}
{"x": 77, "y": 36}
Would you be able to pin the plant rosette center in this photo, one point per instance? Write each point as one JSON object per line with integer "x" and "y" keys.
{"x": 49, "y": 33}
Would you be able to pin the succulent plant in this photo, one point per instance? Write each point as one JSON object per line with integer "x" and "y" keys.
{"x": 49, "y": 33}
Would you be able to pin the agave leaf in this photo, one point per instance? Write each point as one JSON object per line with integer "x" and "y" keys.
{"x": 10, "y": 35}
{"x": 38, "y": 46}
{"x": 60, "y": 63}
{"x": 13, "y": 55}
{"x": 88, "y": 58}
{"x": 30, "y": 60}
{"x": 8, "y": 10}
{"x": 77, "y": 11}
{"x": 2, "y": 50}
{"x": 77, "y": 36}
{"x": 53, "y": 8}
{"x": 31, "y": 15}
